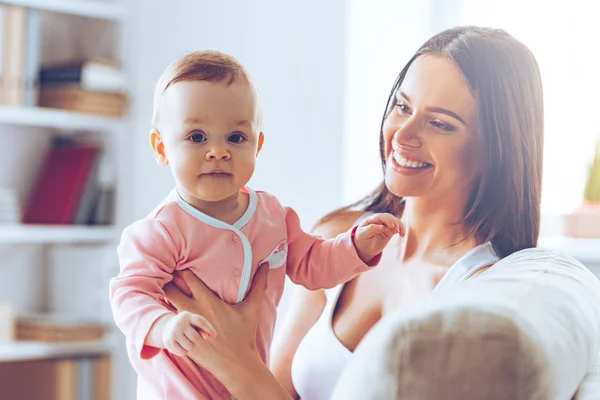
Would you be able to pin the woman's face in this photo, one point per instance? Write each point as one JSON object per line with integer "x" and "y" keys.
{"x": 430, "y": 136}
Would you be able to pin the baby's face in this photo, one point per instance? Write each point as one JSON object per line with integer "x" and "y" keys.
{"x": 211, "y": 136}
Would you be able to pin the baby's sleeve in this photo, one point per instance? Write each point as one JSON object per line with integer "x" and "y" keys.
{"x": 148, "y": 255}
{"x": 318, "y": 263}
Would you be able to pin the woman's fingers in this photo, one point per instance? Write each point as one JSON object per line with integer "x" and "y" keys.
{"x": 177, "y": 298}
{"x": 181, "y": 285}
{"x": 195, "y": 284}
{"x": 258, "y": 289}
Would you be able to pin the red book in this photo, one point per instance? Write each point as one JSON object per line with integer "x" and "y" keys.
{"x": 56, "y": 195}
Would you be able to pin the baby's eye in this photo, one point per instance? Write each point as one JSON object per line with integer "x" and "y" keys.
{"x": 236, "y": 138}
{"x": 198, "y": 137}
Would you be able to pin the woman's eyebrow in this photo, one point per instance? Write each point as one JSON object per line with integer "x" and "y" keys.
{"x": 447, "y": 112}
{"x": 440, "y": 110}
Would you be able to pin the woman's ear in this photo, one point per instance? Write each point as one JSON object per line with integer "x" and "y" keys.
{"x": 261, "y": 140}
{"x": 158, "y": 147}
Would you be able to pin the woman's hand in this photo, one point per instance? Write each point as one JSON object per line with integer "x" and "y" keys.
{"x": 231, "y": 356}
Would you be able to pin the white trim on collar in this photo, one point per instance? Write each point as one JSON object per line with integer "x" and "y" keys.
{"x": 199, "y": 215}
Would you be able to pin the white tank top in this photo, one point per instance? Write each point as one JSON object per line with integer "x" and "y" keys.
{"x": 321, "y": 357}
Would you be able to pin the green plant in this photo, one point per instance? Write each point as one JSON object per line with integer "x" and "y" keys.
{"x": 592, "y": 186}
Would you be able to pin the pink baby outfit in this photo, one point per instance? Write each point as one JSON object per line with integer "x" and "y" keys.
{"x": 176, "y": 236}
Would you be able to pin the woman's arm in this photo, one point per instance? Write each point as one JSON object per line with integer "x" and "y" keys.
{"x": 305, "y": 309}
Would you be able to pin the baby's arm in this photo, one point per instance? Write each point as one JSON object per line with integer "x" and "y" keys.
{"x": 318, "y": 263}
{"x": 148, "y": 254}
{"x": 179, "y": 333}
{"x": 374, "y": 233}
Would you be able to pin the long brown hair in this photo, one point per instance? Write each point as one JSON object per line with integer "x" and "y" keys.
{"x": 504, "y": 205}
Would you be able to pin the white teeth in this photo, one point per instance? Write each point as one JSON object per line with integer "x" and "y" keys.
{"x": 404, "y": 162}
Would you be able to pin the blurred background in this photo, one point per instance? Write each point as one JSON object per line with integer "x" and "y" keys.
{"x": 76, "y": 87}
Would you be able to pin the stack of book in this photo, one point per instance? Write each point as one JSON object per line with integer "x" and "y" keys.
{"x": 57, "y": 328}
{"x": 9, "y": 206}
{"x": 92, "y": 86}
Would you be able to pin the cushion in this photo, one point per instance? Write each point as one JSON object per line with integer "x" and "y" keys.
{"x": 526, "y": 329}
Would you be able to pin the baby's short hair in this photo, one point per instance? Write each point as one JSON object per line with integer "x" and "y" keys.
{"x": 208, "y": 65}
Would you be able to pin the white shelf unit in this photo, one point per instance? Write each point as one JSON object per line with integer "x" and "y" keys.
{"x": 99, "y": 9}
{"x": 49, "y": 234}
{"x": 29, "y": 351}
{"x": 586, "y": 251}
{"x": 98, "y": 26}
{"x": 57, "y": 119}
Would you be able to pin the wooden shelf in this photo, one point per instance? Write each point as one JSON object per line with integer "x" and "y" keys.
{"x": 53, "y": 118}
{"x": 584, "y": 250}
{"x": 99, "y": 9}
{"x": 26, "y": 351}
{"x": 31, "y": 234}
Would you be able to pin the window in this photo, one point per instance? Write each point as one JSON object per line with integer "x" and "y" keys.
{"x": 564, "y": 37}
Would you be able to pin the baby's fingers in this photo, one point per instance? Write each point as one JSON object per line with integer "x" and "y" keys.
{"x": 175, "y": 348}
{"x": 192, "y": 334}
{"x": 393, "y": 223}
{"x": 185, "y": 343}
{"x": 204, "y": 326}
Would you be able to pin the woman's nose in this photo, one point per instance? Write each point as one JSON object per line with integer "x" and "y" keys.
{"x": 407, "y": 135}
{"x": 218, "y": 153}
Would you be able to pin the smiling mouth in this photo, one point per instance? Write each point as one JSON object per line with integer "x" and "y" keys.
{"x": 408, "y": 163}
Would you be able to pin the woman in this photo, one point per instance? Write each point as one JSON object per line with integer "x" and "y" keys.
{"x": 461, "y": 149}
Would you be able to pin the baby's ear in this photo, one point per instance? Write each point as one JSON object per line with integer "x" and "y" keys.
{"x": 261, "y": 140}
{"x": 158, "y": 147}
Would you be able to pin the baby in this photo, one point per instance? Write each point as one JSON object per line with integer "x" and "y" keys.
{"x": 207, "y": 127}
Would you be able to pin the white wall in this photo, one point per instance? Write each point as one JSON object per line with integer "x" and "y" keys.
{"x": 295, "y": 51}
{"x": 382, "y": 36}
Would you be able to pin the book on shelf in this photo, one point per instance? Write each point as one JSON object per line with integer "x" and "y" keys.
{"x": 73, "y": 378}
{"x": 76, "y": 99}
{"x": 91, "y": 85}
{"x": 7, "y": 322}
{"x": 19, "y": 54}
{"x": 52, "y": 327}
{"x": 10, "y": 211}
{"x": 94, "y": 74}
{"x": 67, "y": 190}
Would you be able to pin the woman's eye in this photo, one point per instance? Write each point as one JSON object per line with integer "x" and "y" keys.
{"x": 236, "y": 138}
{"x": 403, "y": 108}
{"x": 442, "y": 126}
{"x": 198, "y": 137}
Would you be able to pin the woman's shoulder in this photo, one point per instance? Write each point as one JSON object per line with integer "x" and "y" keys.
{"x": 338, "y": 223}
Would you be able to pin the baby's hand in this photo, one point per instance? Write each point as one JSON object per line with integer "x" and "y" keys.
{"x": 182, "y": 331}
{"x": 374, "y": 233}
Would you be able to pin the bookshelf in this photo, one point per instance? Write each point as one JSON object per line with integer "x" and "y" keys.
{"x": 98, "y": 9}
{"x": 58, "y": 119}
{"x": 43, "y": 234}
{"x": 35, "y": 259}
{"x": 29, "y": 351}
